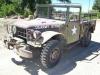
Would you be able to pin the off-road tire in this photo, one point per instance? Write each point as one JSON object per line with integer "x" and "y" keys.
{"x": 86, "y": 40}
{"x": 47, "y": 51}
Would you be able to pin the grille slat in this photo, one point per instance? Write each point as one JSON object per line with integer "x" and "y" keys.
{"x": 21, "y": 32}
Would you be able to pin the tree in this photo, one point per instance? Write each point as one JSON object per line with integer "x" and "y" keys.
{"x": 68, "y": 1}
{"x": 7, "y": 1}
{"x": 30, "y": 4}
{"x": 23, "y": 7}
{"x": 43, "y": 1}
{"x": 1, "y": 2}
{"x": 96, "y": 5}
{"x": 7, "y": 8}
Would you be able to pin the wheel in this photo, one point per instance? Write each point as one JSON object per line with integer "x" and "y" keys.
{"x": 86, "y": 40}
{"x": 51, "y": 54}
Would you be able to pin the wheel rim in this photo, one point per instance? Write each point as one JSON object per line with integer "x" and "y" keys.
{"x": 54, "y": 55}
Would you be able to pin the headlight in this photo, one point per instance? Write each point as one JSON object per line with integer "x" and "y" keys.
{"x": 36, "y": 34}
{"x": 14, "y": 29}
{"x": 9, "y": 29}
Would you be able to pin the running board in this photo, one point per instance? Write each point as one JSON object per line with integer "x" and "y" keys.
{"x": 70, "y": 46}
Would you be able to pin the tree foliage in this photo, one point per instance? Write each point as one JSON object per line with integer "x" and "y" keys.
{"x": 30, "y": 4}
{"x": 68, "y": 1}
{"x": 96, "y": 5}
{"x": 7, "y": 10}
{"x": 23, "y": 7}
{"x": 43, "y": 1}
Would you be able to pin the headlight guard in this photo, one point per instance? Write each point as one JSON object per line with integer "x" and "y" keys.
{"x": 37, "y": 34}
{"x": 9, "y": 29}
{"x": 14, "y": 30}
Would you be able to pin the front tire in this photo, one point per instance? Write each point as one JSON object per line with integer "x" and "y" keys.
{"x": 51, "y": 54}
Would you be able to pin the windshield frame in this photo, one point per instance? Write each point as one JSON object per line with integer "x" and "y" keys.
{"x": 67, "y": 6}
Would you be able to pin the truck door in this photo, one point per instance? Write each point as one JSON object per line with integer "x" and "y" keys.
{"x": 73, "y": 30}
{"x": 73, "y": 26}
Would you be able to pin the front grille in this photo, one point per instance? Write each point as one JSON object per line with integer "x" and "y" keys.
{"x": 20, "y": 32}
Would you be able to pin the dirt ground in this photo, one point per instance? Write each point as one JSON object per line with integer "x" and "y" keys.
{"x": 77, "y": 61}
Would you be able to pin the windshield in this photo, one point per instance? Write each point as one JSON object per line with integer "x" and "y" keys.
{"x": 57, "y": 13}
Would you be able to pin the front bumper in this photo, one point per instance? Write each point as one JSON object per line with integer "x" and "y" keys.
{"x": 19, "y": 47}
{"x": 24, "y": 51}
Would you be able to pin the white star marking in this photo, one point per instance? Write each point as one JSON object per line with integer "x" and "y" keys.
{"x": 74, "y": 30}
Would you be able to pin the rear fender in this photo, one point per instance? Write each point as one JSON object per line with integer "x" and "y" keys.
{"x": 93, "y": 25}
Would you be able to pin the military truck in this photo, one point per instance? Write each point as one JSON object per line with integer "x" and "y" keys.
{"x": 56, "y": 27}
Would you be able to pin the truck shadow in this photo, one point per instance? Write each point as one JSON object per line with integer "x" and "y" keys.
{"x": 67, "y": 62}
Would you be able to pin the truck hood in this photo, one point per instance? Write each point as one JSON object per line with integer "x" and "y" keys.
{"x": 39, "y": 23}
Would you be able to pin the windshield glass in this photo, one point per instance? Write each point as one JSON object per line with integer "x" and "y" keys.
{"x": 57, "y": 13}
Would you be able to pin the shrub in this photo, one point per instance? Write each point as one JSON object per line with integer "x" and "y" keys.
{"x": 27, "y": 12}
{"x": 7, "y": 10}
{"x": 98, "y": 15}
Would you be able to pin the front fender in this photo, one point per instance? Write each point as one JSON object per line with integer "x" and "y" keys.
{"x": 48, "y": 35}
